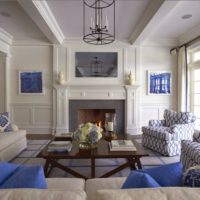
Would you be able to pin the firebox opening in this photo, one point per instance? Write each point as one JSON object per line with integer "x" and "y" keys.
{"x": 93, "y": 115}
{"x": 108, "y": 106}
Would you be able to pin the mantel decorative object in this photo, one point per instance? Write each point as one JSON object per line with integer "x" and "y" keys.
{"x": 88, "y": 135}
{"x": 130, "y": 78}
{"x": 110, "y": 126}
{"x": 97, "y": 28}
{"x": 61, "y": 79}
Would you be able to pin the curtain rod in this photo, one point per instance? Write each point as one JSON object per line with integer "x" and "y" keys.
{"x": 187, "y": 43}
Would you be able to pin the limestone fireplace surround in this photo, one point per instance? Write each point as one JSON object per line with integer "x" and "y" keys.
{"x": 129, "y": 93}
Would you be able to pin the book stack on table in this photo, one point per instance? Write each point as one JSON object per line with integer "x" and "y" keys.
{"x": 63, "y": 136}
{"x": 60, "y": 146}
{"x": 122, "y": 145}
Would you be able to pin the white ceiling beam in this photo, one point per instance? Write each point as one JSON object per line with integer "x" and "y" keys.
{"x": 41, "y": 14}
{"x": 154, "y": 14}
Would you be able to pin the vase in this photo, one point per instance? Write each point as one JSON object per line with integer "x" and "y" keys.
{"x": 86, "y": 145}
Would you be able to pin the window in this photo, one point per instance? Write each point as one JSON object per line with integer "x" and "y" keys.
{"x": 195, "y": 93}
{"x": 194, "y": 81}
{"x": 196, "y": 56}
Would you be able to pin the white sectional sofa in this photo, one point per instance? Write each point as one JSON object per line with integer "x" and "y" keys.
{"x": 97, "y": 189}
{"x": 11, "y": 144}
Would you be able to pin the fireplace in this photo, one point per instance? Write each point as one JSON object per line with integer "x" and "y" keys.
{"x": 69, "y": 99}
{"x": 96, "y": 116}
{"x": 82, "y": 111}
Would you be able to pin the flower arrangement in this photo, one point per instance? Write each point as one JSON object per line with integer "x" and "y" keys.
{"x": 89, "y": 133}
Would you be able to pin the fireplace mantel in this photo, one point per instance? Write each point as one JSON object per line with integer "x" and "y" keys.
{"x": 63, "y": 93}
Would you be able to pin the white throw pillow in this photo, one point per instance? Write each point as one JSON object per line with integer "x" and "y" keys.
{"x": 14, "y": 127}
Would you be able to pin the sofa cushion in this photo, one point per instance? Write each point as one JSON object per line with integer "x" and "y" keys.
{"x": 166, "y": 175}
{"x": 92, "y": 185}
{"x": 139, "y": 180}
{"x": 172, "y": 193}
{"x": 33, "y": 194}
{"x": 22, "y": 176}
{"x": 191, "y": 177}
{"x": 5, "y": 125}
{"x": 66, "y": 183}
{"x": 10, "y": 138}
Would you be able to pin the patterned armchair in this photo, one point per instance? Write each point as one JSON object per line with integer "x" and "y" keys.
{"x": 190, "y": 152}
{"x": 164, "y": 136}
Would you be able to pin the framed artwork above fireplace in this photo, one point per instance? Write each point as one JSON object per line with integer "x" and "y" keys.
{"x": 92, "y": 66}
{"x": 96, "y": 64}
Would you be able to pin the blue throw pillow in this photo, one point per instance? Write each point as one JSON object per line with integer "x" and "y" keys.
{"x": 191, "y": 177}
{"x": 166, "y": 175}
{"x": 139, "y": 180}
{"x": 21, "y": 176}
{"x": 6, "y": 170}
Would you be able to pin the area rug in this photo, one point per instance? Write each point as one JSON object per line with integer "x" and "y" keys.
{"x": 82, "y": 166}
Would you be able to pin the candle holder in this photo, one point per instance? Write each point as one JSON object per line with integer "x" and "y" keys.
{"x": 110, "y": 126}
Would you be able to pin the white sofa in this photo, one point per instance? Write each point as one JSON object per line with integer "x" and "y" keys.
{"x": 97, "y": 189}
{"x": 11, "y": 144}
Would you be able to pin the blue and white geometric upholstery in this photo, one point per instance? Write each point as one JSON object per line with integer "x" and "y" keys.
{"x": 164, "y": 136}
{"x": 5, "y": 125}
{"x": 190, "y": 152}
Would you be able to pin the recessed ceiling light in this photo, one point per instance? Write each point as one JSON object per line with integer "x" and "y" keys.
{"x": 5, "y": 14}
{"x": 187, "y": 16}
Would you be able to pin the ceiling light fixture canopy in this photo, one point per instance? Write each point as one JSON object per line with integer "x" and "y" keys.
{"x": 99, "y": 21}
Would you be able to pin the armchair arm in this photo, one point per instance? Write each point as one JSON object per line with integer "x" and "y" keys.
{"x": 156, "y": 123}
{"x": 183, "y": 131}
{"x": 196, "y": 136}
{"x": 190, "y": 153}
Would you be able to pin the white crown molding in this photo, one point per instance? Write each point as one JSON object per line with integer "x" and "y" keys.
{"x": 5, "y": 36}
{"x": 160, "y": 42}
{"x": 49, "y": 18}
{"x": 189, "y": 35}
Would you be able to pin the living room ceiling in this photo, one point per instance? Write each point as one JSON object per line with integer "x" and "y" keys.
{"x": 136, "y": 20}
{"x": 15, "y": 21}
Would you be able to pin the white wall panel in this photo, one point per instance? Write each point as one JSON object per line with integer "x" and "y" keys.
{"x": 151, "y": 111}
{"x": 35, "y": 118}
{"x": 21, "y": 115}
{"x": 158, "y": 59}
{"x": 43, "y": 115}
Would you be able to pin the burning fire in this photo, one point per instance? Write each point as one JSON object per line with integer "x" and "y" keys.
{"x": 99, "y": 123}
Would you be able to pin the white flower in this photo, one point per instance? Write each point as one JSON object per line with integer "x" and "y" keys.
{"x": 88, "y": 132}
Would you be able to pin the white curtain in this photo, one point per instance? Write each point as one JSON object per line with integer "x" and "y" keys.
{"x": 182, "y": 80}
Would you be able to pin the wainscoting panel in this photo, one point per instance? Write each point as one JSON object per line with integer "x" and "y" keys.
{"x": 153, "y": 111}
{"x": 35, "y": 118}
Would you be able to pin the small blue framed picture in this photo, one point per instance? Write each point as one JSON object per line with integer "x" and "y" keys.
{"x": 159, "y": 82}
{"x": 31, "y": 82}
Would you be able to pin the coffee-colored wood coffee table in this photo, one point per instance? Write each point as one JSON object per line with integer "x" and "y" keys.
{"x": 102, "y": 151}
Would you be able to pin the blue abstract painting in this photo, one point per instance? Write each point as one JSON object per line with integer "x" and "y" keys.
{"x": 31, "y": 82}
{"x": 159, "y": 82}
